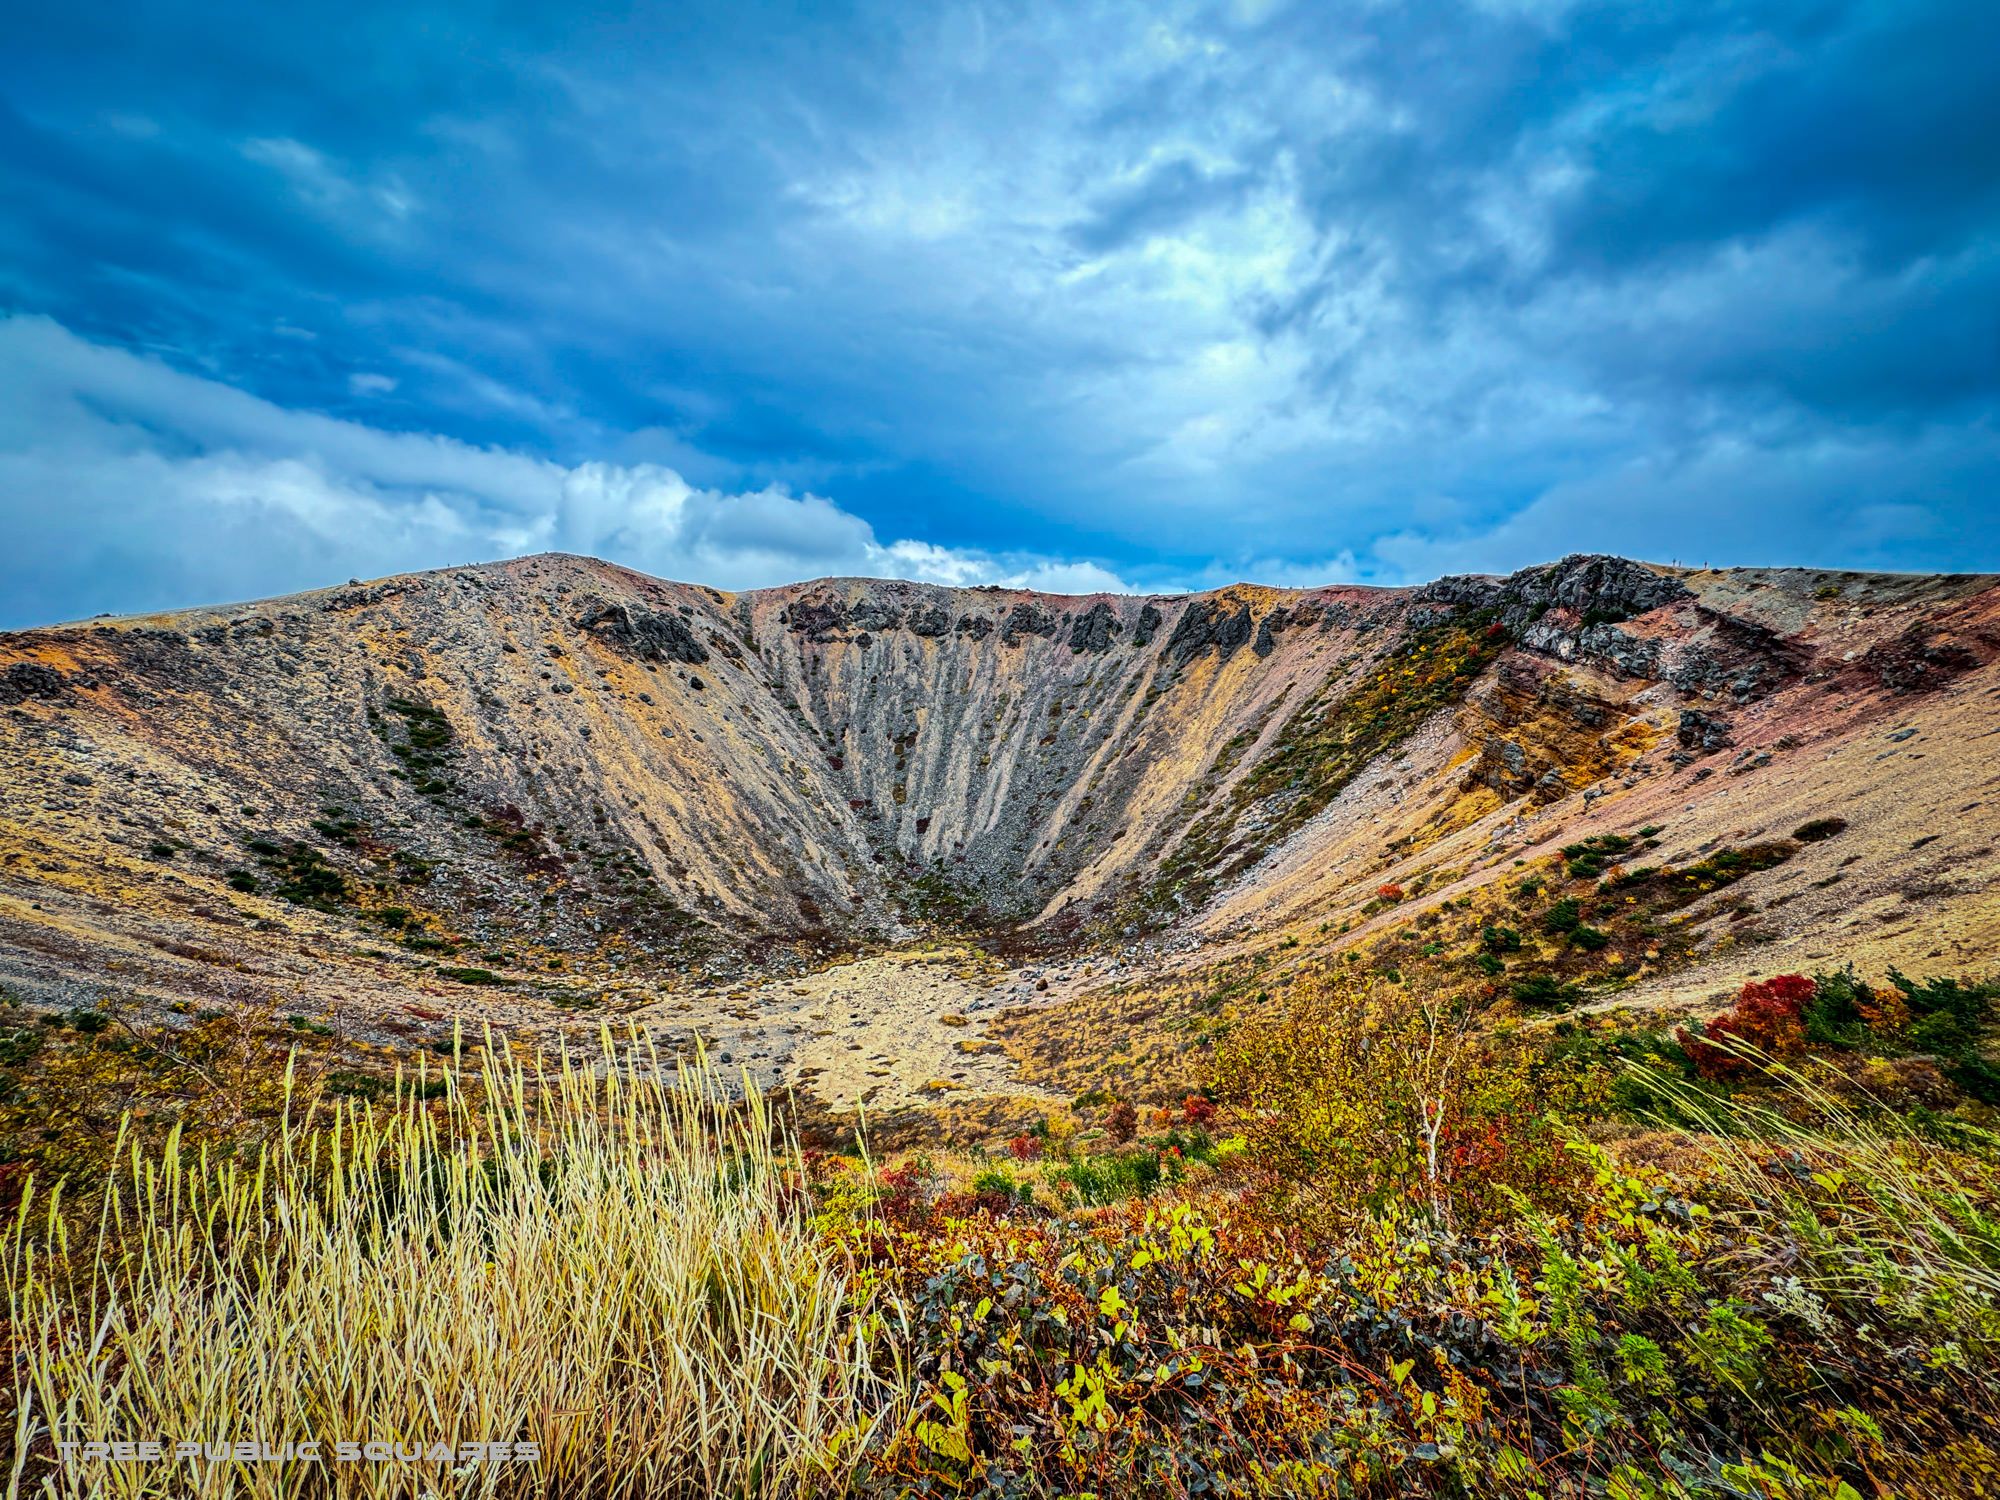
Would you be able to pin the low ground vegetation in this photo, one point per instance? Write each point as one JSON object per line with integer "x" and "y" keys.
{"x": 1401, "y": 1243}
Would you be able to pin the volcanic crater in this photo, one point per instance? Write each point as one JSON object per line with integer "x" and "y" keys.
{"x": 898, "y": 844}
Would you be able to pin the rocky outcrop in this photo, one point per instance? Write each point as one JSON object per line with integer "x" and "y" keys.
{"x": 1218, "y": 625}
{"x": 1094, "y": 629}
{"x": 1590, "y": 590}
{"x": 26, "y": 679}
{"x": 1724, "y": 656}
{"x": 1024, "y": 620}
{"x": 1535, "y": 726}
{"x": 876, "y": 614}
{"x": 643, "y": 633}
{"x": 1267, "y": 631}
{"x": 1703, "y": 732}
{"x": 817, "y": 620}
{"x": 1920, "y": 659}
{"x": 1577, "y": 610}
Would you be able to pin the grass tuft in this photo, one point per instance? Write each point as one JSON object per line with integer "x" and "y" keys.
{"x": 602, "y": 1260}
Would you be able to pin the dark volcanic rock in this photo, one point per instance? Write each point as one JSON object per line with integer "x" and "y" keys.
{"x": 976, "y": 626}
{"x": 1571, "y": 611}
{"x": 1596, "y": 590}
{"x": 1025, "y": 620}
{"x": 1627, "y": 654}
{"x": 1209, "y": 623}
{"x": 1504, "y": 765}
{"x": 1094, "y": 629}
{"x": 817, "y": 621}
{"x": 28, "y": 679}
{"x": 930, "y": 620}
{"x": 1740, "y": 659}
{"x": 1150, "y": 620}
{"x": 872, "y": 614}
{"x": 1917, "y": 660}
{"x": 643, "y": 633}
{"x": 1703, "y": 731}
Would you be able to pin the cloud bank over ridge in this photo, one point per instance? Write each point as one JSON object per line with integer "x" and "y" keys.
{"x": 208, "y": 494}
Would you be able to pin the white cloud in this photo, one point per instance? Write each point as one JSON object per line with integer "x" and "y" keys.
{"x": 320, "y": 184}
{"x": 1287, "y": 573}
{"x": 133, "y": 486}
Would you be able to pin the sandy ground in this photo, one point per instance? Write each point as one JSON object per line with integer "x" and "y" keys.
{"x": 896, "y": 1029}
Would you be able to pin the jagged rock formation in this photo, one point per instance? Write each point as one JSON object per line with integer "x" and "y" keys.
{"x": 588, "y": 772}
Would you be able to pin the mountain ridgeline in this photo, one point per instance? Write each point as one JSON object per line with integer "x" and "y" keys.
{"x": 571, "y": 766}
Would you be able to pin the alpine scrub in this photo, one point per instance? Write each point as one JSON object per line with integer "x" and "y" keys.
{"x": 1398, "y": 1248}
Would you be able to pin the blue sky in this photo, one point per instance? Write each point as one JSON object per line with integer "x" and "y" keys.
{"x": 1077, "y": 295}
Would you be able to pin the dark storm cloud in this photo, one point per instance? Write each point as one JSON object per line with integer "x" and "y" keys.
{"x": 1183, "y": 291}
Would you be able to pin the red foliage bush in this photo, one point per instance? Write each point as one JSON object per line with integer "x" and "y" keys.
{"x": 1389, "y": 892}
{"x": 1025, "y": 1147}
{"x": 1197, "y": 1110}
{"x": 962, "y": 1205}
{"x": 902, "y": 1193}
{"x": 1769, "y": 1015}
{"x": 1121, "y": 1122}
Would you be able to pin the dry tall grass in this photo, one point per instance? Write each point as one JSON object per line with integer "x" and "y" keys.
{"x": 601, "y": 1261}
{"x": 1870, "y": 1214}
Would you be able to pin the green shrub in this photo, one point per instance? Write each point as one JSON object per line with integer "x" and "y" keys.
{"x": 1544, "y": 992}
{"x": 19, "y": 1043}
{"x": 1110, "y": 1178}
{"x": 1951, "y": 1018}
{"x": 347, "y": 1084}
{"x": 1586, "y": 860}
{"x": 1833, "y": 1017}
{"x": 994, "y": 1183}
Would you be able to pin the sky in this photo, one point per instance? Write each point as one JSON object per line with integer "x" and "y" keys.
{"x": 1074, "y": 296}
